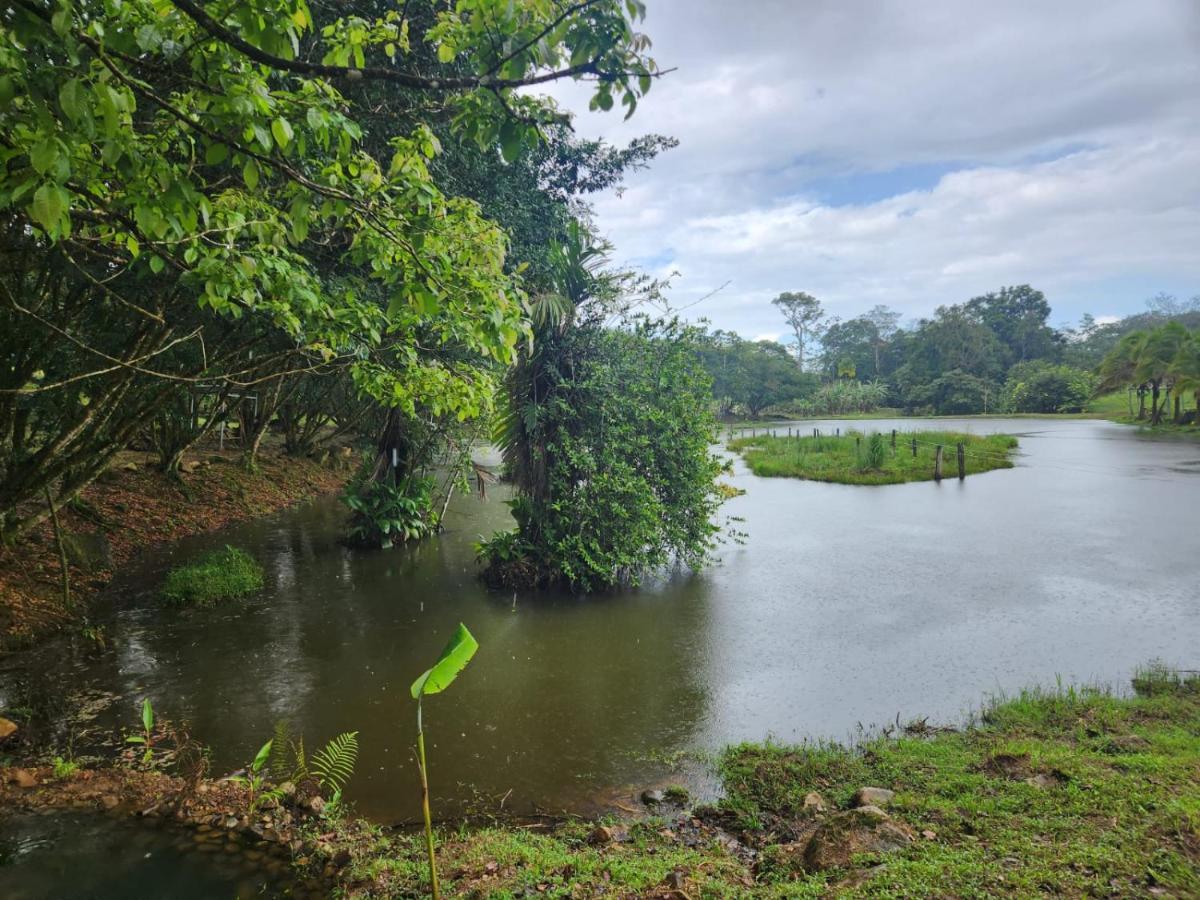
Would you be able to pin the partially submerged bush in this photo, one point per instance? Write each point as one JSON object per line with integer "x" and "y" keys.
{"x": 384, "y": 514}
{"x": 221, "y": 575}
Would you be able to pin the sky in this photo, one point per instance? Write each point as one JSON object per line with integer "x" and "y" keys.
{"x": 912, "y": 153}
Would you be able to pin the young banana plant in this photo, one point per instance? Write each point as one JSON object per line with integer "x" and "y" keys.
{"x": 454, "y": 658}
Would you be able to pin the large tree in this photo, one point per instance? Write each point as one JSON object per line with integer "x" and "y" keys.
{"x": 172, "y": 176}
{"x": 804, "y": 316}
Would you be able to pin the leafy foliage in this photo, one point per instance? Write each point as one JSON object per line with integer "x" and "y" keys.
{"x": 333, "y": 764}
{"x": 1042, "y": 387}
{"x": 620, "y": 441}
{"x": 385, "y": 513}
{"x": 453, "y": 659}
{"x": 190, "y": 204}
{"x": 220, "y": 575}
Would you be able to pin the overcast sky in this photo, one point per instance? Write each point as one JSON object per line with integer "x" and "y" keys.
{"x": 914, "y": 153}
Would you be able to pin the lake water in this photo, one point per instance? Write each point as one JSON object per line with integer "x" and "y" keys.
{"x": 844, "y": 606}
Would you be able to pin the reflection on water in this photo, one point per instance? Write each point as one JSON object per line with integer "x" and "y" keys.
{"x": 846, "y": 605}
{"x": 46, "y": 857}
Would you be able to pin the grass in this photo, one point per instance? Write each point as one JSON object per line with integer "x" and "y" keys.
{"x": 1068, "y": 791}
{"x": 221, "y": 575}
{"x": 846, "y": 459}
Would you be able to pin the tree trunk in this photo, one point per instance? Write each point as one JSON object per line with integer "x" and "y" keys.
{"x": 1155, "y": 412}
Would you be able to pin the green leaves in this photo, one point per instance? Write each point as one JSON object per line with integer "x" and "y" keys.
{"x": 281, "y": 130}
{"x": 49, "y": 209}
{"x": 260, "y": 758}
{"x": 455, "y": 656}
{"x": 147, "y": 715}
{"x": 334, "y": 763}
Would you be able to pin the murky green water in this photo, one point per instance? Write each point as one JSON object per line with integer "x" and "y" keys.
{"x": 846, "y": 605}
{"x": 88, "y": 857}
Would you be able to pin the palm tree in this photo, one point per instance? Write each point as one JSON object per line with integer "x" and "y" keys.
{"x": 1157, "y": 353}
{"x": 1119, "y": 368}
{"x": 575, "y": 279}
{"x": 1185, "y": 370}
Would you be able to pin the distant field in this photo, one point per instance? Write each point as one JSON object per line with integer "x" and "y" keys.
{"x": 848, "y": 459}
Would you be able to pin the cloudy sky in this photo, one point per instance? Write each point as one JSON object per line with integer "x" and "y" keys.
{"x": 914, "y": 153}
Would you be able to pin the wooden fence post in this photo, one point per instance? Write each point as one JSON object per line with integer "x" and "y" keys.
{"x": 937, "y": 464}
{"x": 962, "y": 462}
{"x": 914, "y": 442}
{"x": 893, "y": 438}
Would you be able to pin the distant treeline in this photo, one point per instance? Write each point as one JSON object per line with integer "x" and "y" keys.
{"x": 993, "y": 353}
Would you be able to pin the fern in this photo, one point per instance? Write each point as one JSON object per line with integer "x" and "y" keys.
{"x": 277, "y": 764}
{"x": 333, "y": 764}
{"x": 299, "y": 760}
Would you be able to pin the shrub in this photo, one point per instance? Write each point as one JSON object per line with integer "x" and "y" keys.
{"x": 384, "y": 514}
{"x": 221, "y": 575}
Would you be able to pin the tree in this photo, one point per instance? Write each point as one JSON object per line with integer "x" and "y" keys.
{"x": 805, "y": 316}
{"x": 625, "y": 479}
{"x": 187, "y": 198}
{"x": 1018, "y": 317}
{"x": 1043, "y": 387}
{"x": 886, "y": 323}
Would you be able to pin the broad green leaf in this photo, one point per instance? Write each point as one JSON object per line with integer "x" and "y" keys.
{"x": 282, "y": 131}
{"x": 454, "y": 658}
{"x": 250, "y": 174}
{"x": 47, "y": 207}
{"x": 43, "y": 155}
{"x": 216, "y": 153}
{"x": 71, "y": 99}
{"x": 260, "y": 759}
{"x": 147, "y": 715}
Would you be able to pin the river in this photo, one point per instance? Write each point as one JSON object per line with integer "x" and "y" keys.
{"x": 844, "y": 607}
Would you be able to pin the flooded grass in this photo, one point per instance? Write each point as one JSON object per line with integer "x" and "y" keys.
{"x": 224, "y": 574}
{"x": 857, "y": 458}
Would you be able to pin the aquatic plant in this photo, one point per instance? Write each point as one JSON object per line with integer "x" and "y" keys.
{"x": 256, "y": 778}
{"x": 221, "y": 575}
{"x": 455, "y": 656}
{"x": 146, "y": 738}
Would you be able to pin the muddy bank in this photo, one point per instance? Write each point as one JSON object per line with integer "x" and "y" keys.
{"x": 130, "y": 507}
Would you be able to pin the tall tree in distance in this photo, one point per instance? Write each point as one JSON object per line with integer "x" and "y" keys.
{"x": 805, "y": 316}
{"x": 886, "y": 322}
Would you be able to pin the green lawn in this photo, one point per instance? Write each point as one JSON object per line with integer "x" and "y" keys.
{"x": 847, "y": 460}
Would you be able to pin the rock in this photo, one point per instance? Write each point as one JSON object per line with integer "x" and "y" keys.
{"x": 287, "y": 789}
{"x": 89, "y": 552}
{"x": 230, "y": 822}
{"x": 109, "y": 801}
{"x": 601, "y": 834}
{"x": 342, "y": 858}
{"x": 608, "y": 834}
{"x": 867, "y": 829}
{"x": 316, "y": 803}
{"x": 928, "y": 834}
{"x": 814, "y": 803}
{"x": 23, "y": 778}
{"x": 7, "y": 728}
{"x": 676, "y": 880}
{"x": 1044, "y": 782}
{"x": 873, "y": 796}
{"x": 653, "y": 798}
{"x": 130, "y": 467}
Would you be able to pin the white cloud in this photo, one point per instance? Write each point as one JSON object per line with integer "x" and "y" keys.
{"x": 1065, "y": 133}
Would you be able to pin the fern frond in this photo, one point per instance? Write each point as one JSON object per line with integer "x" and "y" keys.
{"x": 299, "y": 760}
{"x": 277, "y": 763}
{"x": 334, "y": 763}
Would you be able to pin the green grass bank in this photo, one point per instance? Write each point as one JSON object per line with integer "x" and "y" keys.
{"x": 1066, "y": 791}
{"x": 858, "y": 458}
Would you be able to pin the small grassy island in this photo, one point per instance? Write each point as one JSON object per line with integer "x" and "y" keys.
{"x": 856, "y": 458}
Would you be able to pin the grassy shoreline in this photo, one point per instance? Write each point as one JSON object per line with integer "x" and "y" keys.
{"x": 847, "y": 459}
{"x": 1071, "y": 791}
